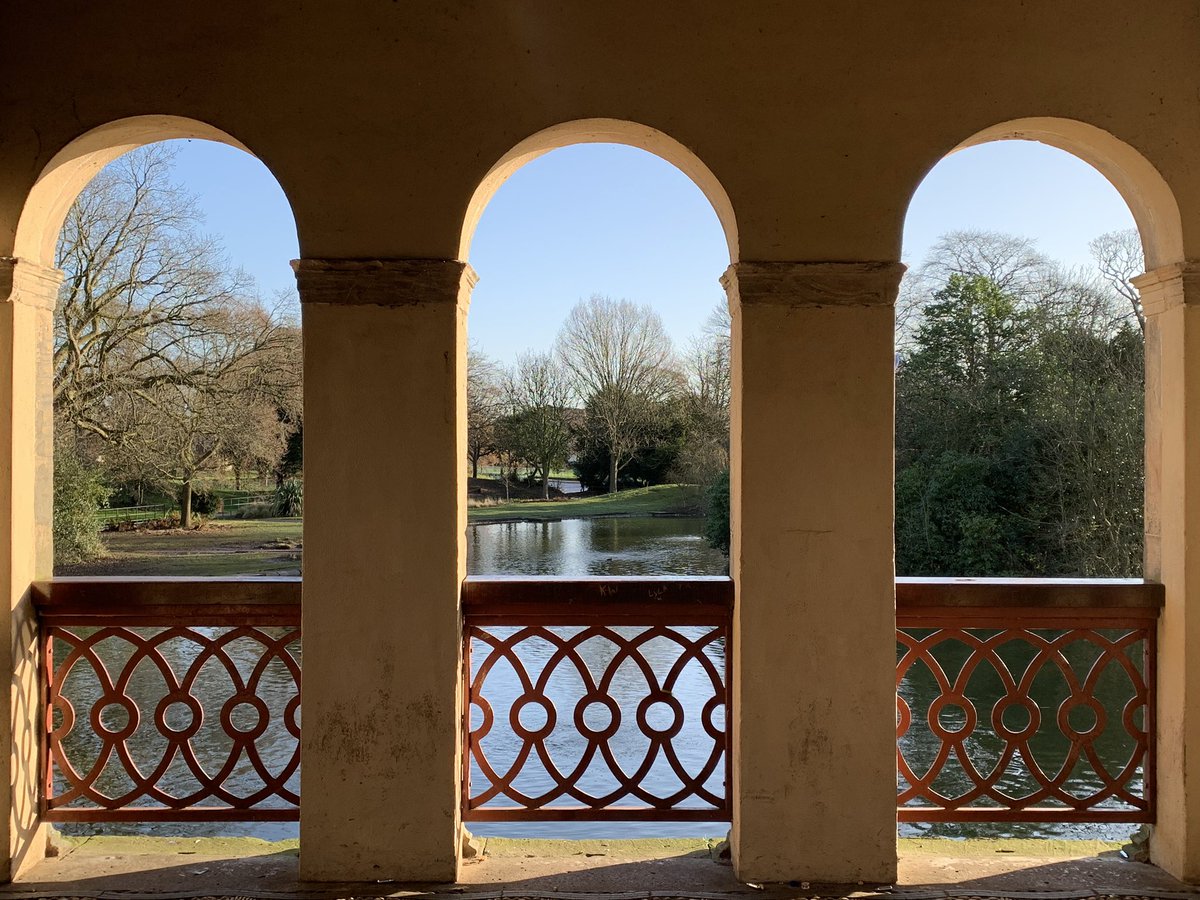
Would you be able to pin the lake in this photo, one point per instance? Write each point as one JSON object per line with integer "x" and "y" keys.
{"x": 637, "y": 546}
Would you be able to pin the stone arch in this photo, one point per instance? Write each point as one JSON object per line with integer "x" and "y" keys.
{"x": 1145, "y": 191}
{"x": 601, "y": 131}
{"x": 69, "y": 171}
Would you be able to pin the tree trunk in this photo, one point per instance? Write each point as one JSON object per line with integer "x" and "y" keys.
{"x": 185, "y": 505}
{"x": 612, "y": 473}
{"x": 475, "y": 467}
{"x": 546, "y": 480}
{"x": 237, "y": 478}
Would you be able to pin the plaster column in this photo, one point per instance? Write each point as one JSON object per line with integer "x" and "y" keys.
{"x": 27, "y": 295}
{"x": 812, "y": 556}
{"x": 1171, "y": 300}
{"x": 384, "y": 560}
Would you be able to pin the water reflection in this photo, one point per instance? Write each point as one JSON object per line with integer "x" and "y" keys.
{"x": 578, "y": 547}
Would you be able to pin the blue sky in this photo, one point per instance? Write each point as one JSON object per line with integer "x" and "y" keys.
{"x": 613, "y": 220}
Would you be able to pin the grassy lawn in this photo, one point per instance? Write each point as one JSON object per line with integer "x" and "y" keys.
{"x": 236, "y": 547}
{"x": 659, "y": 500}
{"x": 227, "y": 547}
{"x": 561, "y": 474}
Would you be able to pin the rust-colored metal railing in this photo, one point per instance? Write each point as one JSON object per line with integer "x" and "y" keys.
{"x": 592, "y": 699}
{"x": 1037, "y": 700}
{"x": 170, "y": 699}
{"x": 596, "y": 699}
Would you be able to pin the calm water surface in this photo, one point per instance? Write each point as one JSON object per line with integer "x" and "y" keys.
{"x": 581, "y": 547}
{"x": 642, "y": 546}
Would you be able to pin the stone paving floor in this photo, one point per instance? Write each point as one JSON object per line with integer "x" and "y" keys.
{"x": 183, "y": 868}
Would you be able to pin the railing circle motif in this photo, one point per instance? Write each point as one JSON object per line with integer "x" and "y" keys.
{"x": 527, "y": 702}
{"x": 1068, "y": 721}
{"x": 594, "y": 701}
{"x": 1001, "y": 724}
{"x": 233, "y": 716}
{"x": 946, "y": 704}
{"x": 195, "y": 713}
{"x": 108, "y": 702}
{"x": 291, "y": 717}
{"x": 183, "y": 777}
{"x": 708, "y": 717}
{"x": 651, "y": 707}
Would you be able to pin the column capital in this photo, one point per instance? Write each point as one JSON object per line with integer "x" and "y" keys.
{"x": 28, "y": 283}
{"x": 814, "y": 283}
{"x": 1169, "y": 286}
{"x": 384, "y": 282}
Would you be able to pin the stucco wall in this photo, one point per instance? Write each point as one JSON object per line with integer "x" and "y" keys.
{"x": 380, "y": 119}
{"x": 809, "y": 125}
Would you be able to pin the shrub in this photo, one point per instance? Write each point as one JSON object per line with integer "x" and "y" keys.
{"x": 289, "y": 498}
{"x": 716, "y": 527}
{"x": 207, "y": 502}
{"x": 166, "y": 522}
{"x": 255, "y": 511}
{"x": 79, "y": 494}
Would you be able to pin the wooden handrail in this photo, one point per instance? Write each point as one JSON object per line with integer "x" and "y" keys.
{"x": 256, "y": 596}
{"x": 1048, "y": 593}
{"x": 168, "y": 601}
{"x": 678, "y": 601}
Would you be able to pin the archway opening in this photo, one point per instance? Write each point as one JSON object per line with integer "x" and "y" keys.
{"x": 173, "y": 365}
{"x": 177, "y": 383}
{"x": 598, "y": 297}
{"x": 598, "y": 419}
{"x": 1020, "y": 385}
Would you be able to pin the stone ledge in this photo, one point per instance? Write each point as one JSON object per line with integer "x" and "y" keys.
{"x": 384, "y": 282}
{"x": 181, "y": 868}
{"x": 813, "y": 283}
{"x": 1169, "y": 287}
{"x": 28, "y": 283}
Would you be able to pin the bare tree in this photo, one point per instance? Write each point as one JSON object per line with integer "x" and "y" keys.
{"x": 139, "y": 279}
{"x": 535, "y": 429}
{"x": 622, "y": 364}
{"x": 176, "y": 428}
{"x": 161, "y": 350}
{"x": 1012, "y": 263}
{"x": 261, "y": 439}
{"x": 1119, "y": 257}
{"x": 706, "y": 364}
{"x": 484, "y": 406}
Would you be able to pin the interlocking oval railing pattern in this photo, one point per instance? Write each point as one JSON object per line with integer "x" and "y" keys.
{"x": 1010, "y": 711}
{"x": 570, "y": 716}
{"x": 153, "y": 721}
{"x": 173, "y": 699}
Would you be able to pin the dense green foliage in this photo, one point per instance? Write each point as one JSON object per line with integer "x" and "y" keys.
{"x": 716, "y": 525}
{"x": 207, "y": 502}
{"x": 291, "y": 464}
{"x": 289, "y": 498}
{"x": 1019, "y": 435}
{"x": 652, "y": 463}
{"x": 79, "y": 494}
